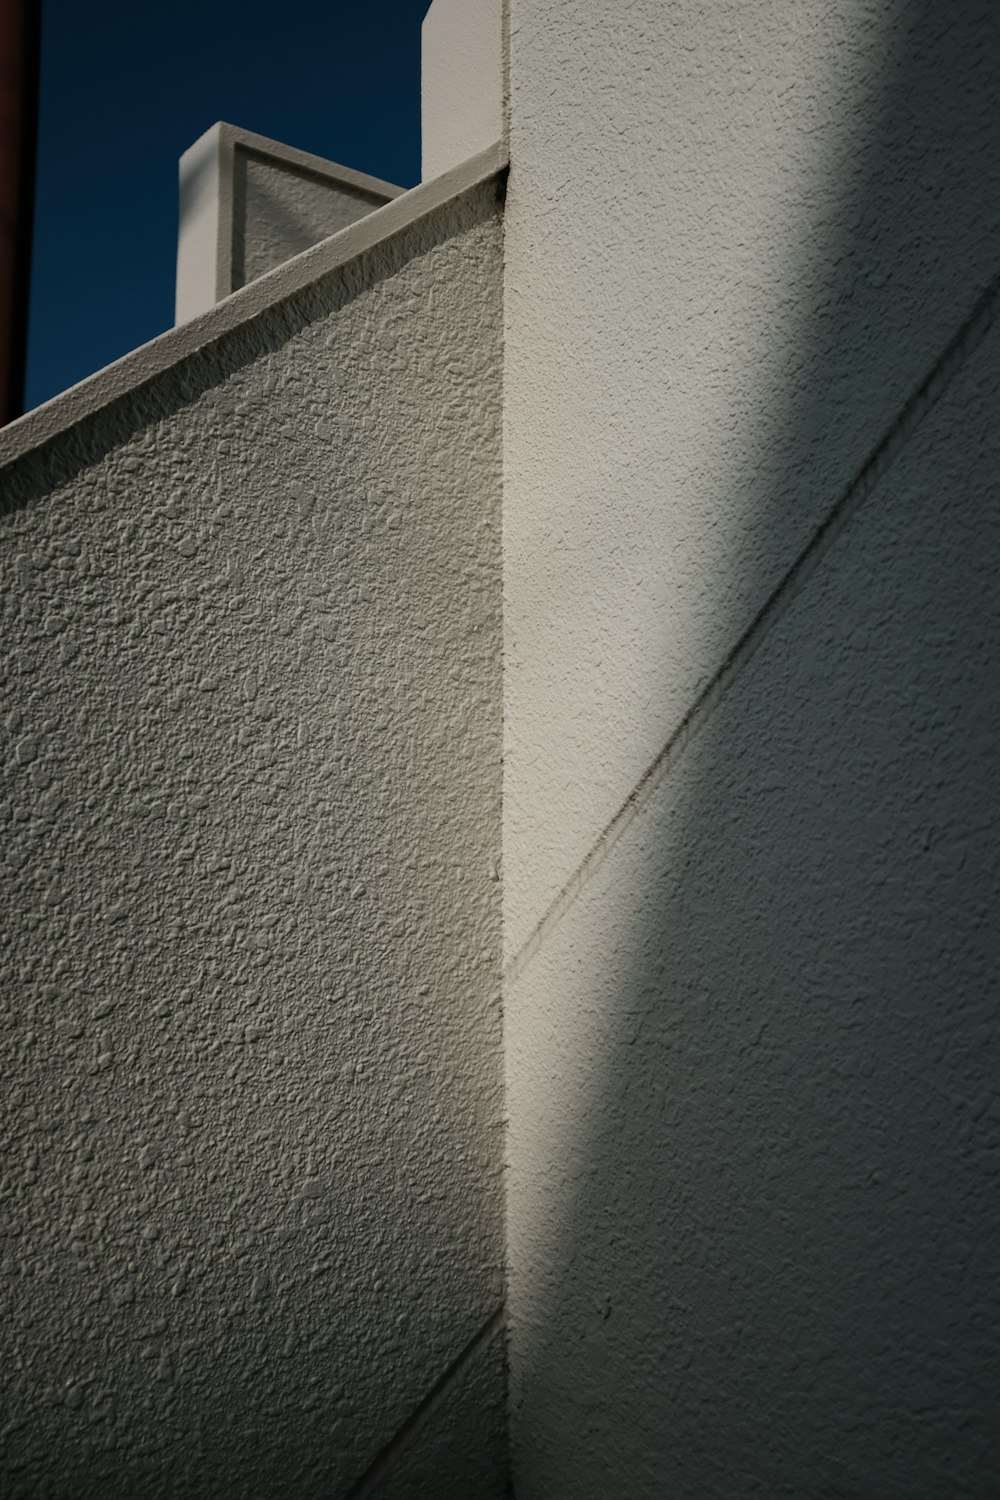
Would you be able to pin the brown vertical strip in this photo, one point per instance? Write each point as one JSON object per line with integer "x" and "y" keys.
{"x": 20, "y": 32}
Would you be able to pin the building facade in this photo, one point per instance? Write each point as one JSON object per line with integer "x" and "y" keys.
{"x": 500, "y": 973}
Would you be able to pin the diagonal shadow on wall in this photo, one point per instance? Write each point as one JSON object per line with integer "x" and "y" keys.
{"x": 766, "y": 1257}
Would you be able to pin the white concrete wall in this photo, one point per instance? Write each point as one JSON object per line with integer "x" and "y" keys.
{"x": 750, "y": 1010}
{"x": 250, "y": 962}
{"x": 280, "y": 210}
{"x": 461, "y": 82}
{"x": 247, "y": 204}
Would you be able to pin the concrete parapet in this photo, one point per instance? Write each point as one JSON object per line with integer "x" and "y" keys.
{"x": 248, "y": 204}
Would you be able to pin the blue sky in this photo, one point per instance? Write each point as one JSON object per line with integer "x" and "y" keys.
{"x": 127, "y": 86}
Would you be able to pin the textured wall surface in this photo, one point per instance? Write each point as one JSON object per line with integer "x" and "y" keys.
{"x": 737, "y": 236}
{"x": 754, "y": 1231}
{"x": 250, "y": 948}
{"x": 279, "y": 211}
{"x": 749, "y": 1032}
{"x": 461, "y": 82}
{"x": 248, "y": 204}
{"x": 459, "y": 1447}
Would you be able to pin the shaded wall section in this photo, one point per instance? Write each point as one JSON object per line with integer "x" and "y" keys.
{"x": 279, "y": 212}
{"x": 248, "y": 204}
{"x": 251, "y": 941}
{"x": 749, "y": 819}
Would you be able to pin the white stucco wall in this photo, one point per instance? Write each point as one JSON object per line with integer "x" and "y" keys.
{"x": 736, "y": 239}
{"x": 247, "y": 204}
{"x": 461, "y": 82}
{"x": 459, "y": 1446}
{"x": 250, "y": 972}
{"x": 750, "y": 1010}
{"x": 279, "y": 211}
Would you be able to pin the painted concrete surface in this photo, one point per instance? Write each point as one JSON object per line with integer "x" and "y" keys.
{"x": 461, "y": 82}
{"x": 251, "y": 938}
{"x": 752, "y": 1217}
{"x": 460, "y": 1448}
{"x": 737, "y": 237}
{"x": 278, "y": 212}
{"x": 204, "y": 224}
{"x": 248, "y": 204}
{"x": 246, "y": 312}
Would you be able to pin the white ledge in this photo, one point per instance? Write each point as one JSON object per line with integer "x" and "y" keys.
{"x": 144, "y": 364}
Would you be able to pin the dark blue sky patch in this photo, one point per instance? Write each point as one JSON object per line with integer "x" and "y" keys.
{"x": 126, "y": 88}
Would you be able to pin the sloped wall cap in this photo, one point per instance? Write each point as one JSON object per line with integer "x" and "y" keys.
{"x": 144, "y": 364}
{"x": 213, "y": 211}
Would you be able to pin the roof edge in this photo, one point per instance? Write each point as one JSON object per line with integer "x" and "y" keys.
{"x": 144, "y": 364}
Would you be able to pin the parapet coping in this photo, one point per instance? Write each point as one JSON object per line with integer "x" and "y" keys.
{"x": 142, "y": 365}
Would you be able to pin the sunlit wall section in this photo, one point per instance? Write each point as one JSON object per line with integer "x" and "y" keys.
{"x": 750, "y": 1008}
